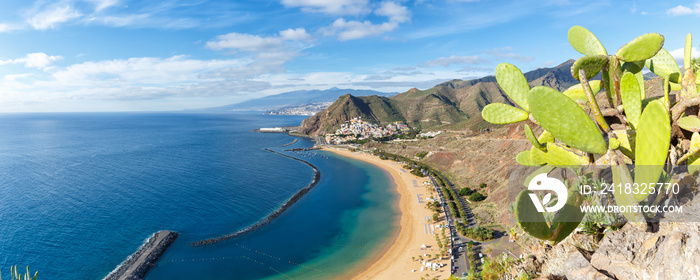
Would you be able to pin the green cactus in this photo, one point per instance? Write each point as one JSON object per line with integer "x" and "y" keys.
{"x": 531, "y": 136}
{"x": 15, "y": 275}
{"x": 664, "y": 65}
{"x": 557, "y": 155}
{"x": 534, "y": 223}
{"x": 631, "y": 98}
{"x": 591, "y": 64}
{"x": 546, "y": 137}
{"x": 653, "y": 140}
{"x": 577, "y": 94}
{"x": 564, "y": 119}
{"x": 689, "y": 123}
{"x": 500, "y": 113}
{"x": 635, "y": 67}
{"x": 641, "y": 48}
{"x": 513, "y": 83}
{"x": 639, "y": 131}
{"x": 585, "y": 42}
{"x": 529, "y": 219}
{"x": 694, "y": 159}
{"x": 688, "y": 86}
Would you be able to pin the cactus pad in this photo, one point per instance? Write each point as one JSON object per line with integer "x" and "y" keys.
{"x": 689, "y": 123}
{"x": 631, "y": 98}
{"x": 531, "y": 136}
{"x": 641, "y": 48}
{"x": 585, "y": 42}
{"x": 577, "y": 94}
{"x": 513, "y": 83}
{"x": 694, "y": 159}
{"x": 591, "y": 64}
{"x": 567, "y": 219}
{"x": 546, "y": 137}
{"x": 529, "y": 219}
{"x": 499, "y": 113}
{"x": 566, "y": 121}
{"x": 664, "y": 65}
{"x": 559, "y": 156}
{"x": 652, "y": 142}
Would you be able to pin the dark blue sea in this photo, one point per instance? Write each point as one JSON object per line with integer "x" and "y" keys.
{"x": 80, "y": 192}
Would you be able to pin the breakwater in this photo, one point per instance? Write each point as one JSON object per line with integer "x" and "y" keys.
{"x": 295, "y": 140}
{"x": 138, "y": 264}
{"x": 273, "y": 215}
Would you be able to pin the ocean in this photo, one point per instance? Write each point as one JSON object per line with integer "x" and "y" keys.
{"x": 80, "y": 192}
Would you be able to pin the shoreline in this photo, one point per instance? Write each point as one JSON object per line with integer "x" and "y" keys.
{"x": 394, "y": 261}
{"x": 298, "y": 195}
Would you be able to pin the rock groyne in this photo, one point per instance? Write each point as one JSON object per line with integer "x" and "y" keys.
{"x": 273, "y": 215}
{"x": 138, "y": 264}
{"x": 295, "y": 140}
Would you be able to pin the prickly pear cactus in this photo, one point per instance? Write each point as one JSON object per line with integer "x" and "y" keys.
{"x": 631, "y": 128}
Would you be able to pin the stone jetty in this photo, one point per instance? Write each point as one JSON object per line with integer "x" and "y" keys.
{"x": 138, "y": 264}
{"x": 269, "y": 218}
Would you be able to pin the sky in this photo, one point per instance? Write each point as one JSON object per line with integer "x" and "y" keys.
{"x": 122, "y": 55}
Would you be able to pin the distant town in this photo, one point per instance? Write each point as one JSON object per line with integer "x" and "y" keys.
{"x": 302, "y": 110}
{"x": 356, "y": 131}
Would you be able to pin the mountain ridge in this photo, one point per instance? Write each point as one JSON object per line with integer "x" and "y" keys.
{"x": 451, "y": 103}
{"x": 295, "y": 98}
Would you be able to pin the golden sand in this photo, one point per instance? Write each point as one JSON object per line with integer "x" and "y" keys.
{"x": 396, "y": 262}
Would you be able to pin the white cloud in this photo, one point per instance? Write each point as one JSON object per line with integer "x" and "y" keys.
{"x": 394, "y": 11}
{"x": 350, "y": 30}
{"x": 6, "y": 27}
{"x": 334, "y": 7}
{"x": 506, "y": 52}
{"x": 33, "y": 60}
{"x": 143, "y": 70}
{"x": 447, "y": 61}
{"x": 681, "y": 10}
{"x": 49, "y": 18}
{"x": 254, "y": 43}
{"x": 103, "y": 4}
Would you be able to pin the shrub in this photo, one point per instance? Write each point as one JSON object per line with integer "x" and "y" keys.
{"x": 465, "y": 191}
{"x": 477, "y": 196}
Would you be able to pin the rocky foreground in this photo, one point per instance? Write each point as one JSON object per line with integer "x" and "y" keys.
{"x": 637, "y": 251}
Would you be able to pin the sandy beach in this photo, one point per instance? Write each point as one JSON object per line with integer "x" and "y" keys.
{"x": 415, "y": 228}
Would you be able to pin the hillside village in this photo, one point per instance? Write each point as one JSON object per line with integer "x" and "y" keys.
{"x": 357, "y": 129}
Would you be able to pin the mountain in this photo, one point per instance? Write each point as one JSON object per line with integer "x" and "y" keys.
{"x": 295, "y": 98}
{"x": 455, "y": 103}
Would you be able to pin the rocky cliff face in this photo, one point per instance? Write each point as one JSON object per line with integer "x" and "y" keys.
{"x": 633, "y": 252}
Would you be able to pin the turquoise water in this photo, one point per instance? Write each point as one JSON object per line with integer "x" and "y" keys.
{"x": 80, "y": 192}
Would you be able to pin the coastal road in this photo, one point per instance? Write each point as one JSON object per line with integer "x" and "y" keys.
{"x": 460, "y": 264}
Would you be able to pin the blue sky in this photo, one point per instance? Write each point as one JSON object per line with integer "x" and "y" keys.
{"x": 121, "y": 55}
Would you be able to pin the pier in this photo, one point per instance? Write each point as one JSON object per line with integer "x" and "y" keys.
{"x": 138, "y": 264}
{"x": 273, "y": 215}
